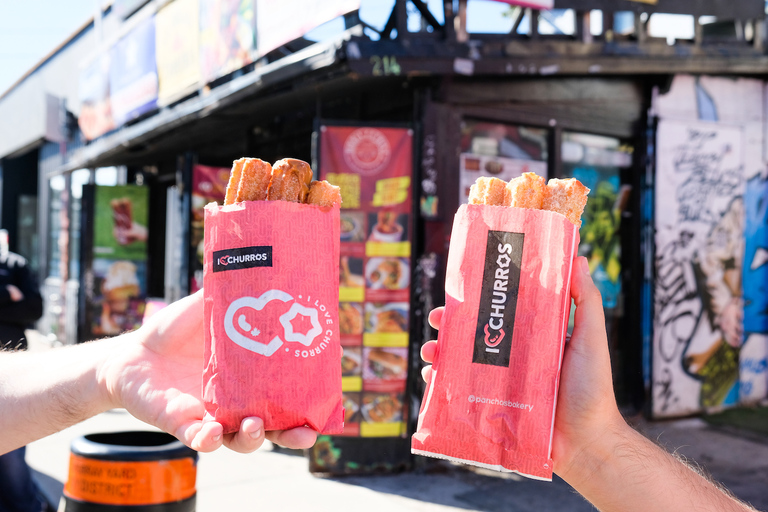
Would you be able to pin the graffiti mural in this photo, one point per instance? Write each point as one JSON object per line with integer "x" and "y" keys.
{"x": 698, "y": 300}
{"x": 753, "y": 363}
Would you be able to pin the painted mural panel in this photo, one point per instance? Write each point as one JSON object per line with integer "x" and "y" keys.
{"x": 698, "y": 312}
{"x": 753, "y": 363}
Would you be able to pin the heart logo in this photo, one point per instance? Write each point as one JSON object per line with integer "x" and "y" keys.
{"x": 258, "y": 303}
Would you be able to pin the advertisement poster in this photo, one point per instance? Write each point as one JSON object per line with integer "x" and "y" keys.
{"x": 209, "y": 185}
{"x": 227, "y": 36}
{"x": 133, "y": 73}
{"x": 177, "y": 39}
{"x": 499, "y": 150}
{"x": 114, "y": 257}
{"x": 120, "y": 222}
{"x": 698, "y": 310}
{"x": 295, "y": 18}
{"x": 373, "y": 167}
{"x": 95, "y": 117}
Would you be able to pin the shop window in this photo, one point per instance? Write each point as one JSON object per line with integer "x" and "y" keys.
{"x": 500, "y": 150}
{"x": 597, "y": 162}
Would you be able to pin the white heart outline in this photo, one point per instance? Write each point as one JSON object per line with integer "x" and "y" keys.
{"x": 257, "y": 304}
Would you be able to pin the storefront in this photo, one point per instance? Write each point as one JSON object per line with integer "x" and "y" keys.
{"x": 496, "y": 106}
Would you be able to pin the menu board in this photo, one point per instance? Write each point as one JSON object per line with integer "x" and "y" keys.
{"x": 209, "y": 185}
{"x": 373, "y": 167}
{"x": 114, "y": 256}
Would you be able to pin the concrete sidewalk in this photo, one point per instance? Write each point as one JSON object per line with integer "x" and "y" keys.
{"x": 271, "y": 480}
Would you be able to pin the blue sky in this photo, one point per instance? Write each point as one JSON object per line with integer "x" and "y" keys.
{"x": 30, "y": 29}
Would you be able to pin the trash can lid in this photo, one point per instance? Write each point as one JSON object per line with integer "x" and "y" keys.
{"x": 131, "y": 446}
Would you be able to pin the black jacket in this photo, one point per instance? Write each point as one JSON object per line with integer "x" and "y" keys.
{"x": 17, "y": 316}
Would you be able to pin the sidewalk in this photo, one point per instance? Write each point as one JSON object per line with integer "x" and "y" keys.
{"x": 271, "y": 480}
{"x": 275, "y": 481}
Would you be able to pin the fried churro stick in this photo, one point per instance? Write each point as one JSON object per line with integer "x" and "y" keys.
{"x": 323, "y": 193}
{"x": 254, "y": 180}
{"x": 491, "y": 191}
{"x": 290, "y": 181}
{"x": 568, "y": 197}
{"x": 234, "y": 181}
{"x": 527, "y": 191}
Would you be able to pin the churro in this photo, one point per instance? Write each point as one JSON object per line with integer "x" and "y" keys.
{"x": 527, "y": 191}
{"x": 254, "y": 180}
{"x": 234, "y": 181}
{"x": 490, "y": 191}
{"x": 290, "y": 181}
{"x": 322, "y": 193}
{"x": 568, "y": 197}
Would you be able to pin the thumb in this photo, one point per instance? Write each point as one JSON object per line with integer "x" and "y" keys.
{"x": 589, "y": 319}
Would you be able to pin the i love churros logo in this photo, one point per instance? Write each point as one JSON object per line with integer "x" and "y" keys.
{"x": 498, "y": 298}
{"x": 306, "y": 321}
{"x": 242, "y": 257}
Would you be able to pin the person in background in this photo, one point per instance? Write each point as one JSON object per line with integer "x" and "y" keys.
{"x": 20, "y": 305}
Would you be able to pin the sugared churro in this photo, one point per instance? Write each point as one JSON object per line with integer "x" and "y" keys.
{"x": 491, "y": 191}
{"x": 527, "y": 191}
{"x": 568, "y": 197}
{"x": 254, "y": 180}
{"x": 290, "y": 181}
{"x": 322, "y": 193}
{"x": 234, "y": 181}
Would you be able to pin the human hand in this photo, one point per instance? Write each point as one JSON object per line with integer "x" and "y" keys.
{"x": 15, "y": 293}
{"x": 136, "y": 233}
{"x": 155, "y": 373}
{"x": 586, "y": 407}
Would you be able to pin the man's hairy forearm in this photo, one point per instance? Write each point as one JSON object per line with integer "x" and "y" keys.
{"x": 626, "y": 472}
{"x": 44, "y": 392}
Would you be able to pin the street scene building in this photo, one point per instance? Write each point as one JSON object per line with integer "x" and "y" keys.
{"x": 111, "y": 146}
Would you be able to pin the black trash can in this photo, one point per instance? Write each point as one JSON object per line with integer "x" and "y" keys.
{"x": 130, "y": 471}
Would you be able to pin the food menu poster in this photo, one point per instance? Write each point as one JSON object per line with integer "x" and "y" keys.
{"x": 209, "y": 185}
{"x": 120, "y": 222}
{"x": 117, "y": 287}
{"x": 373, "y": 167}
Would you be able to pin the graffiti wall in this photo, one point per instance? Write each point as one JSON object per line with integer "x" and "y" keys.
{"x": 710, "y": 309}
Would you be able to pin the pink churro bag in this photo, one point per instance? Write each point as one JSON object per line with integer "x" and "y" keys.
{"x": 272, "y": 349}
{"x": 491, "y": 400}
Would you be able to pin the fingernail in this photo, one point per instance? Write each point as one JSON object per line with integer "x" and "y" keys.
{"x": 584, "y": 265}
{"x": 256, "y": 433}
{"x": 216, "y": 438}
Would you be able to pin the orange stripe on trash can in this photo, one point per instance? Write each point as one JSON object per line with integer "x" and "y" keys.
{"x": 130, "y": 483}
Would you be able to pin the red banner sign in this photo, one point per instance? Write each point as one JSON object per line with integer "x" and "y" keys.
{"x": 374, "y": 168}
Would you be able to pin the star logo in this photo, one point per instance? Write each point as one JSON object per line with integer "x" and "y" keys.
{"x": 286, "y": 320}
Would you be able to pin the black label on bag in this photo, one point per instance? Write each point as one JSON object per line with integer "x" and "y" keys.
{"x": 242, "y": 257}
{"x": 498, "y": 298}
